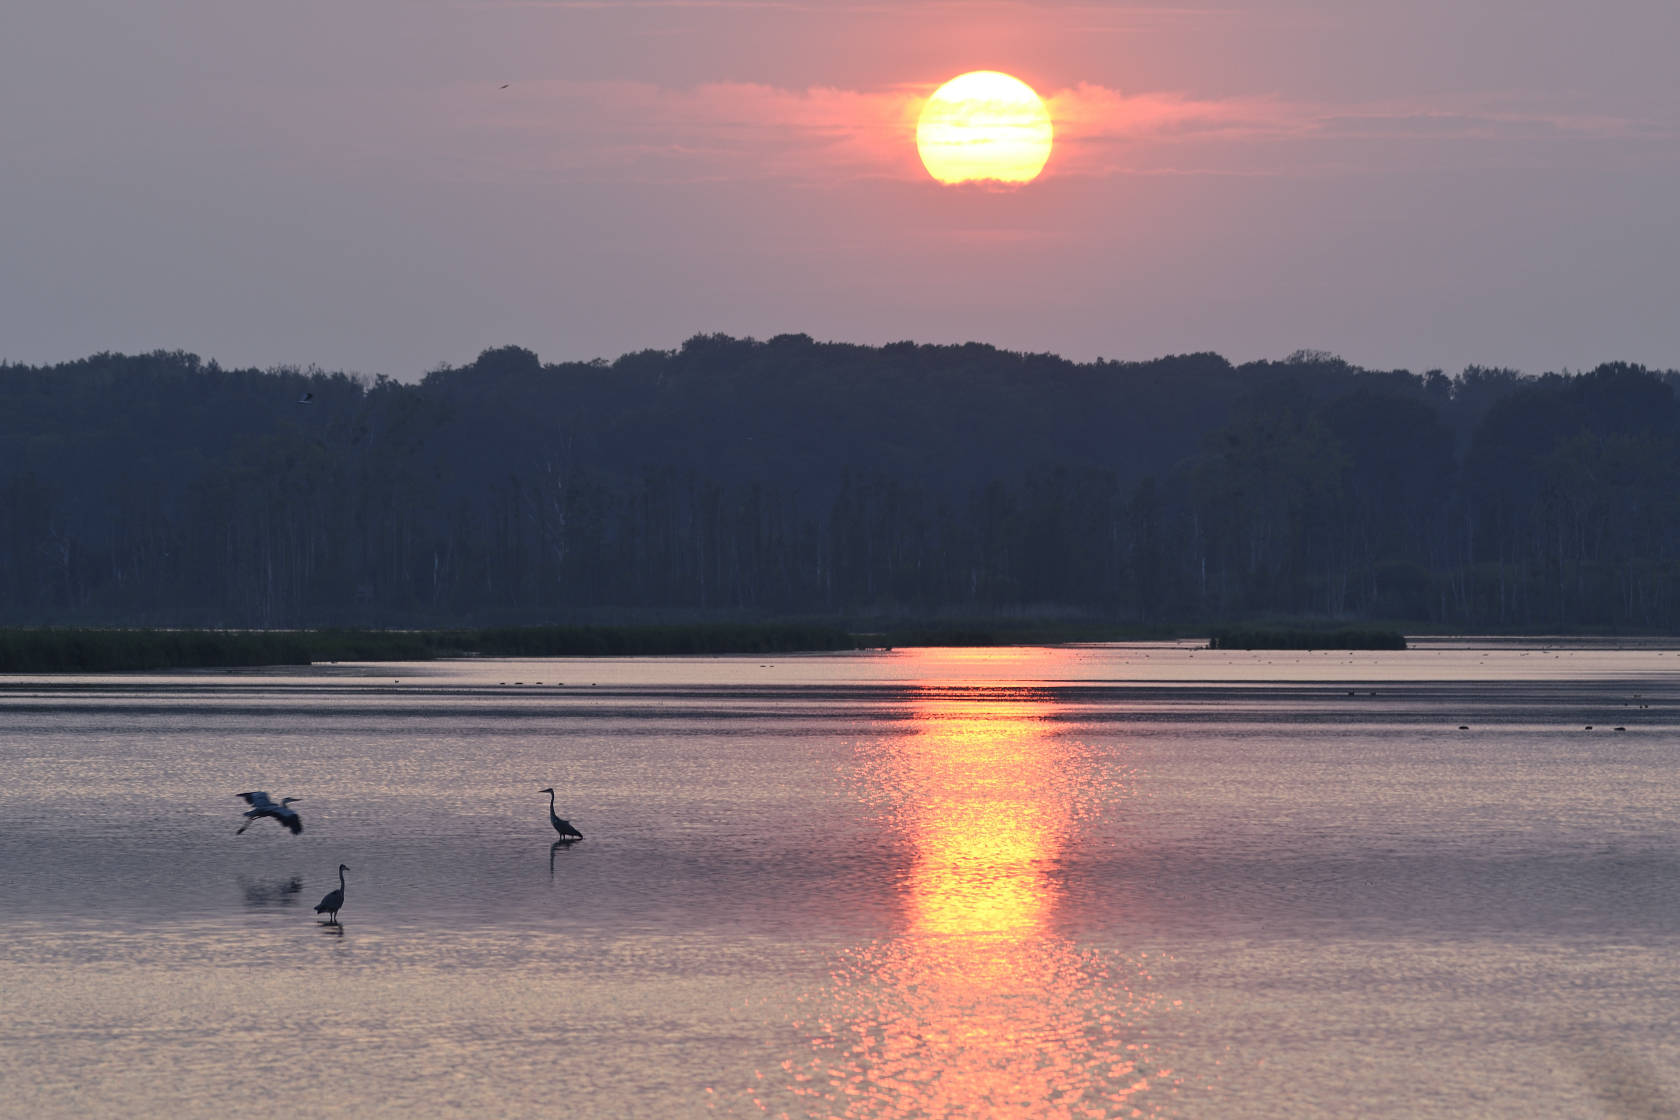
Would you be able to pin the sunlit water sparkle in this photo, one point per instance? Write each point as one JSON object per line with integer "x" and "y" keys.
{"x": 1082, "y": 882}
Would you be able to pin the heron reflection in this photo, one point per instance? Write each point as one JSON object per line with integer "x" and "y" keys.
{"x": 271, "y": 892}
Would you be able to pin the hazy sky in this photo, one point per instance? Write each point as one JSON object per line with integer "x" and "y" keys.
{"x": 1421, "y": 183}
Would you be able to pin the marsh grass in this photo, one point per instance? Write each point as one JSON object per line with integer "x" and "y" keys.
{"x": 1307, "y": 639}
{"x": 104, "y": 651}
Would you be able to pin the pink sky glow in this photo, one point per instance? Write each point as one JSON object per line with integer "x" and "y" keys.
{"x": 347, "y": 183}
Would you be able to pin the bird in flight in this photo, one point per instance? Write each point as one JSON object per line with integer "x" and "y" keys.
{"x": 335, "y": 899}
{"x": 563, "y": 827}
{"x": 307, "y": 398}
{"x": 261, "y": 806}
{"x": 504, "y": 87}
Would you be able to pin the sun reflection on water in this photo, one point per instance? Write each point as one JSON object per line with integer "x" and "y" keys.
{"x": 985, "y": 816}
{"x": 979, "y": 1007}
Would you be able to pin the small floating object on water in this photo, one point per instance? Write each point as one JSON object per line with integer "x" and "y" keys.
{"x": 1464, "y": 727}
{"x": 1621, "y": 729}
{"x": 1589, "y": 727}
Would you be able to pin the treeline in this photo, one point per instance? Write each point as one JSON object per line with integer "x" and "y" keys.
{"x": 736, "y": 479}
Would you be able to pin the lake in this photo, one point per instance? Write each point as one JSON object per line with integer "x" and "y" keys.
{"x": 1101, "y": 881}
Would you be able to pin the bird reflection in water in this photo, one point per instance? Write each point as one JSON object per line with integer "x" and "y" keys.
{"x": 557, "y": 846}
{"x": 978, "y": 1007}
{"x": 271, "y": 892}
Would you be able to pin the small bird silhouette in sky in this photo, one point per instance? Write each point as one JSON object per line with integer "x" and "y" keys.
{"x": 504, "y": 87}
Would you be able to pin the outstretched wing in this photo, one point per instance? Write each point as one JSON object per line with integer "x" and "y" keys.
{"x": 257, "y": 798}
{"x": 293, "y": 822}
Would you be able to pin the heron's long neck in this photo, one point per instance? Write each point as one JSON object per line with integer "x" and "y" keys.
{"x": 341, "y": 881}
{"x": 551, "y": 803}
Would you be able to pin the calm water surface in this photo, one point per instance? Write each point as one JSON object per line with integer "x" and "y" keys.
{"x": 1083, "y": 882}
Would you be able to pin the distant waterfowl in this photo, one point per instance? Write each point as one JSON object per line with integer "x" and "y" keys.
{"x": 563, "y": 827}
{"x": 262, "y": 807}
{"x": 335, "y": 899}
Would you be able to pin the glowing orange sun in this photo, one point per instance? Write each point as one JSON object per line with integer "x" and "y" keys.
{"x": 984, "y": 126}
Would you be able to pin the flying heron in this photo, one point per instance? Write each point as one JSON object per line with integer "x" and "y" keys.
{"x": 261, "y": 806}
{"x": 563, "y": 827}
{"x": 330, "y": 904}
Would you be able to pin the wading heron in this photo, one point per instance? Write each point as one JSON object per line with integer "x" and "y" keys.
{"x": 563, "y": 827}
{"x": 330, "y": 904}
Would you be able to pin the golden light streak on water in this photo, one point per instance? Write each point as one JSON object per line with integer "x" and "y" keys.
{"x": 989, "y": 816}
{"x": 979, "y": 1008}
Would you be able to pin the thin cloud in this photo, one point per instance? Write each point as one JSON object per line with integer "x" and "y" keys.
{"x": 1101, "y": 131}
{"x": 636, "y": 131}
{"x": 728, "y": 130}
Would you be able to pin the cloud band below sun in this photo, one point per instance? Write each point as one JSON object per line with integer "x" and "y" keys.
{"x": 615, "y": 130}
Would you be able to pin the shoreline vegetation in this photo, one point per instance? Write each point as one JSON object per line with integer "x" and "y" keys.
{"x": 789, "y": 480}
{"x": 88, "y": 650}
{"x": 1307, "y": 639}
{"x": 102, "y": 651}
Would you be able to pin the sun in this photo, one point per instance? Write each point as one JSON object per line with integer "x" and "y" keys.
{"x": 984, "y": 126}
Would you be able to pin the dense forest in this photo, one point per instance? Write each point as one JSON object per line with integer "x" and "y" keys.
{"x": 790, "y": 479}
